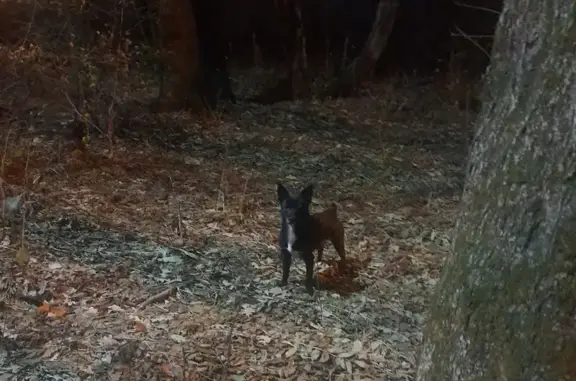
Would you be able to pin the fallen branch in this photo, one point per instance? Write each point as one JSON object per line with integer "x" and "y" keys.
{"x": 157, "y": 297}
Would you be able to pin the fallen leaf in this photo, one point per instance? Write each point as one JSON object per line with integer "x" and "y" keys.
{"x": 115, "y": 308}
{"x": 325, "y": 357}
{"x": 276, "y": 290}
{"x": 108, "y": 342}
{"x": 54, "y": 266}
{"x": 357, "y": 346}
{"x": 86, "y": 369}
{"x": 11, "y": 204}
{"x": 140, "y": 327}
{"x": 317, "y": 326}
{"x": 378, "y": 358}
{"x": 290, "y": 352}
{"x": 116, "y": 375}
{"x": 302, "y": 377}
{"x": 247, "y": 310}
{"x": 50, "y": 353}
{"x": 289, "y": 371}
{"x": 44, "y": 307}
{"x": 348, "y": 365}
{"x": 57, "y": 312}
{"x": 262, "y": 339}
{"x": 22, "y": 256}
{"x": 315, "y": 354}
{"x": 165, "y": 368}
{"x": 375, "y": 344}
{"x": 178, "y": 339}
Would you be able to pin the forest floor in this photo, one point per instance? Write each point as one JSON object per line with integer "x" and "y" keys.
{"x": 158, "y": 259}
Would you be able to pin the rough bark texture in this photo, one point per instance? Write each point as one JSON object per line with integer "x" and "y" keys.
{"x": 504, "y": 308}
{"x": 362, "y": 68}
{"x": 177, "y": 27}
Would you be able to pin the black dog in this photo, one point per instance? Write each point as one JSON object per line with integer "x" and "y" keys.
{"x": 296, "y": 232}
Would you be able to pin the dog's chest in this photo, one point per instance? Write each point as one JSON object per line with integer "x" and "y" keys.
{"x": 287, "y": 237}
{"x": 290, "y": 238}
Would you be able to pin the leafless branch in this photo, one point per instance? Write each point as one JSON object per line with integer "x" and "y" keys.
{"x": 477, "y": 7}
{"x": 475, "y": 43}
{"x": 78, "y": 113}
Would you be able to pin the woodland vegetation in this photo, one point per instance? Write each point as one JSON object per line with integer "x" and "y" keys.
{"x": 143, "y": 141}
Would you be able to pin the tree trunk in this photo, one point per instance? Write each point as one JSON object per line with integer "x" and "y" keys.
{"x": 296, "y": 83}
{"x": 300, "y": 74}
{"x": 177, "y": 26}
{"x": 362, "y": 68}
{"x": 504, "y": 308}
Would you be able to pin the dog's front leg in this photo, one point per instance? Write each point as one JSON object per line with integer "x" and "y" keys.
{"x": 286, "y": 258}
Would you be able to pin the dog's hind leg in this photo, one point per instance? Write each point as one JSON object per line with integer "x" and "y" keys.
{"x": 309, "y": 281}
{"x": 337, "y": 240}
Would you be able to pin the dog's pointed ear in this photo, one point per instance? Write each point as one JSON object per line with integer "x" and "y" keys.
{"x": 306, "y": 194}
{"x": 283, "y": 193}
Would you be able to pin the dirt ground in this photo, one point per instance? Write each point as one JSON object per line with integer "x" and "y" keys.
{"x": 157, "y": 258}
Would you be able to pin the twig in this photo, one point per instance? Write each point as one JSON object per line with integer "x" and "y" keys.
{"x": 467, "y": 37}
{"x": 27, "y": 162}
{"x": 111, "y": 111}
{"x": 30, "y": 23}
{"x": 222, "y": 192}
{"x": 80, "y": 114}
{"x": 185, "y": 252}
{"x": 186, "y": 367}
{"x": 244, "y": 197}
{"x": 477, "y": 7}
{"x": 180, "y": 231}
{"x": 3, "y": 164}
{"x": 224, "y": 374}
{"x": 178, "y": 210}
{"x": 22, "y": 209}
{"x": 157, "y": 297}
{"x": 477, "y": 36}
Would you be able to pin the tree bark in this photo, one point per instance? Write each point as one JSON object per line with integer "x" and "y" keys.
{"x": 362, "y": 68}
{"x": 504, "y": 307}
{"x": 177, "y": 27}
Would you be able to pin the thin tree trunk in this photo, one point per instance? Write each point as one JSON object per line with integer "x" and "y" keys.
{"x": 362, "y": 68}
{"x": 299, "y": 75}
{"x": 177, "y": 26}
{"x": 504, "y": 308}
{"x": 296, "y": 83}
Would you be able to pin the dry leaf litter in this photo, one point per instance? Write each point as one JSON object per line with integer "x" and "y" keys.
{"x": 160, "y": 261}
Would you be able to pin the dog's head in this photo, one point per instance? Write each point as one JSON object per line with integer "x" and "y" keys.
{"x": 293, "y": 208}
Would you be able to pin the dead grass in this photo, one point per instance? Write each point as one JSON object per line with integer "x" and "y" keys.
{"x": 157, "y": 255}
